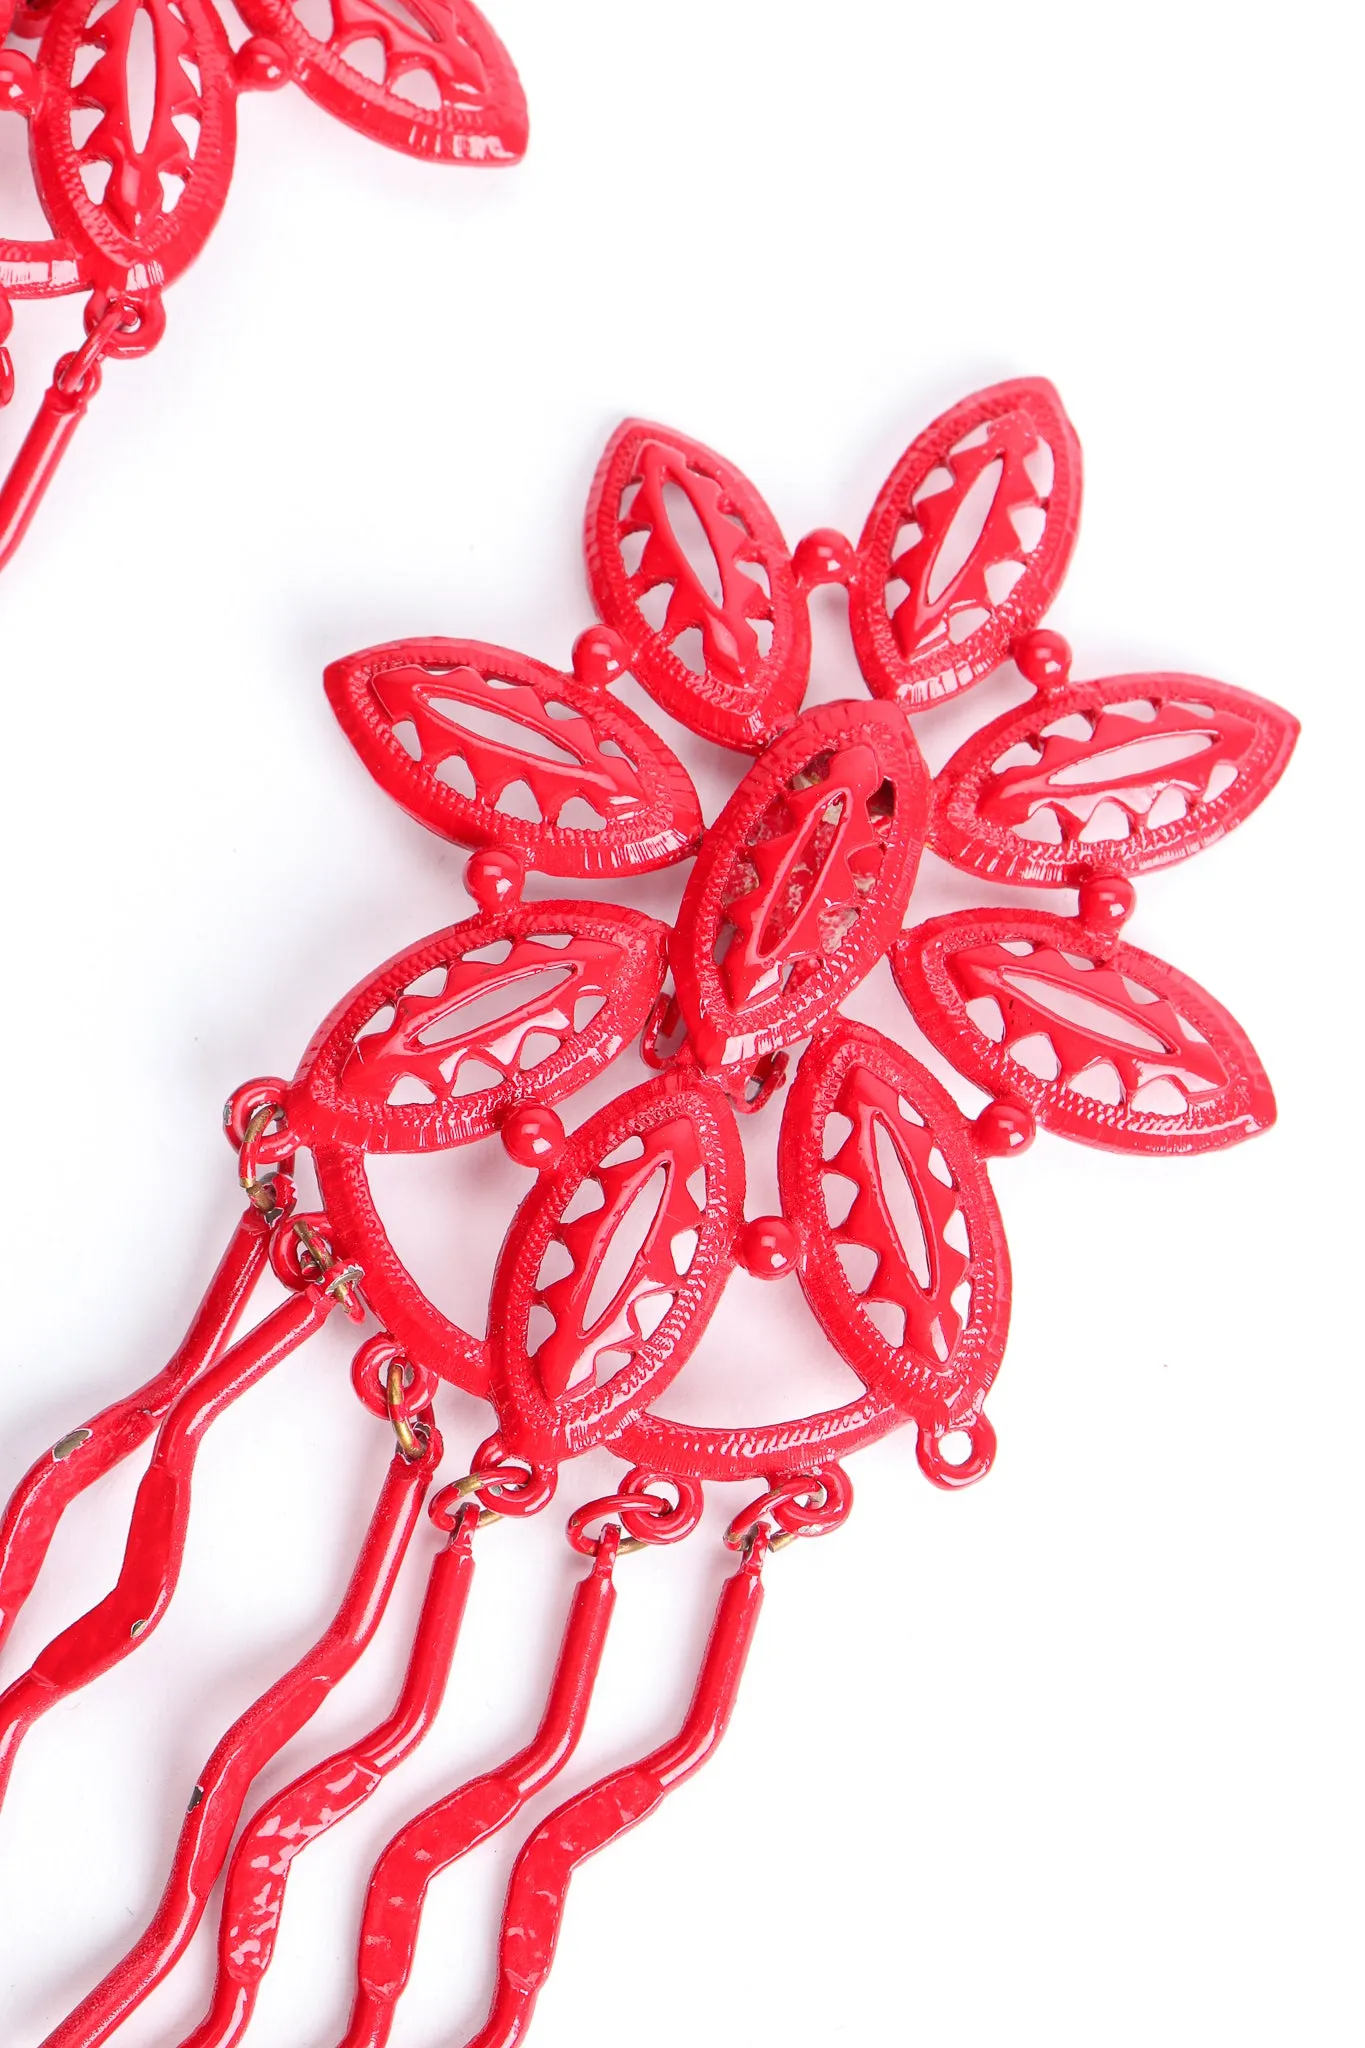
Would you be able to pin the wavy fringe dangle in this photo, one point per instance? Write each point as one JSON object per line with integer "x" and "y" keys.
{"x": 888, "y": 1224}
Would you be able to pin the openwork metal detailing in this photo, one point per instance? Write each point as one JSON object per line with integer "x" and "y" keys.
{"x": 133, "y": 154}
{"x": 634, "y": 1220}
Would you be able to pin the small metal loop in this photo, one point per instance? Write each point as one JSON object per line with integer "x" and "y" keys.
{"x": 607, "y": 1506}
{"x": 654, "y": 1519}
{"x": 243, "y": 1103}
{"x": 412, "y": 1437}
{"x": 450, "y": 1503}
{"x": 512, "y": 1485}
{"x": 645, "y": 1517}
{"x": 77, "y": 375}
{"x": 256, "y": 1123}
{"x": 372, "y": 1373}
{"x": 803, "y": 1504}
{"x": 271, "y": 1193}
{"x": 123, "y": 326}
{"x": 448, "y": 1513}
{"x": 664, "y": 1023}
{"x": 303, "y": 1257}
{"x": 412, "y": 1428}
{"x": 465, "y": 1521}
{"x": 980, "y": 1435}
{"x": 71, "y": 393}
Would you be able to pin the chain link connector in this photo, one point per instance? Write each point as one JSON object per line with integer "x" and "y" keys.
{"x": 334, "y": 1278}
{"x": 413, "y": 1438}
{"x": 803, "y": 1504}
{"x": 271, "y": 1193}
{"x": 645, "y": 1516}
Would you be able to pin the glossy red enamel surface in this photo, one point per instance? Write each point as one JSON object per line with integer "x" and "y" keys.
{"x": 912, "y": 1284}
{"x": 725, "y": 646}
{"x": 390, "y": 1068}
{"x": 38, "y": 270}
{"x": 664, "y": 1167}
{"x": 155, "y": 1550}
{"x": 385, "y": 1071}
{"x": 616, "y": 1258}
{"x": 1113, "y": 1030}
{"x": 771, "y": 1451}
{"x": 607, "y": 1810}
{"x": 278, "y": 1833}
{"x": 163, "y": 195}
{"x": 802, "y": 882}
{"x": 440, "y": 47}
{"x": 1121, "y": 774}
{"x": 449, "y": 1829}
{"x": 248, "y": 1746}
{"x": 83, "y": 1455}
{"x": 498, "y": 720}
{"x": 967, "y": 543}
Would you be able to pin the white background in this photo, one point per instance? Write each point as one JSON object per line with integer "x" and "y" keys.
{"x": 1072, "y": 1758}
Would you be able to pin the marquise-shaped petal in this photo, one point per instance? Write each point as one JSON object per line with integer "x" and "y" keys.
{"x": 1118, "y": 775}
{"x": 613, "y": 1266}
{"x": 1104, "y": 1043}
{"x": 515, "y": 1006}
{"x": 903, "y": 1252}
{"x": 966, "y": 544}
{"x": 162, "y": 194}
{"x": 480, "y": 722}
{"x": 688, "y": 565}
{"x": 801, "y": 882}
{"x": 449, "y": 91}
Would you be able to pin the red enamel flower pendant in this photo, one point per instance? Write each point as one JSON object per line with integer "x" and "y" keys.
{"x": 634, "y": 1219}
{"x": 131, "y": 200}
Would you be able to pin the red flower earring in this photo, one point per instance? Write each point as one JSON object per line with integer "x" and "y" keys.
{"x": 127, "y": 216}
{"x": 799, "y": 888}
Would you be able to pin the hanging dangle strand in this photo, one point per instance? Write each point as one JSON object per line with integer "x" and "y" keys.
{"x": 630, "y": 1521}
{"x": 327, "y": 1794}
{"x": 110, "y": 1631}
{"x": 439, "y": 1836}
{"x": 620, "y": 1801}
{"x": 85, "y": 1454}
{"x": 243, "y": 1752}
{"x": 616, "y": 1803}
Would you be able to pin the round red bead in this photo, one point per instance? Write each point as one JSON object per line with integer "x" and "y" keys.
{"x": 262, "y": 65}
{"x": 768, "y": 1247}
{"x": 1004, "y": 1127}
{"x": 1105, "y": 902}
{"x": 1042, "y": 658}
{"x": 599, "y": 657}
{"x": 824, "y": 556}
{"x": 494, "y": 877}
{"x": 532, "y": 1135}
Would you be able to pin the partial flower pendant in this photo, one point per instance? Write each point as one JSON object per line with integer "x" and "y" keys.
{"x": 634, "y": 1218}
{"x": 128, "y": 215}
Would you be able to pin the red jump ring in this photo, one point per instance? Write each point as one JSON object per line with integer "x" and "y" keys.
{"x": 644, "y": 1515}
{"x": 370, "y": 1378}
{"x": 507, "y": 1485}
{"x": 789, "y": 1506}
